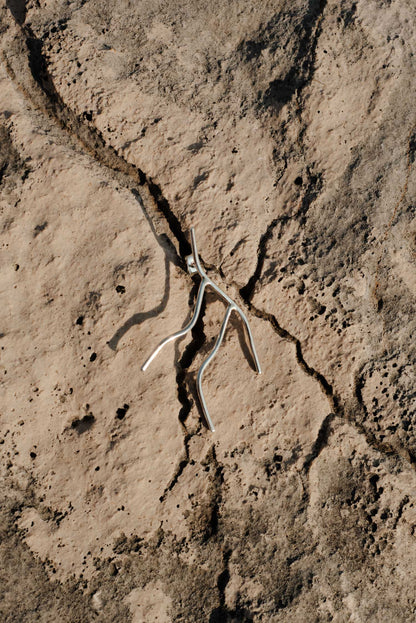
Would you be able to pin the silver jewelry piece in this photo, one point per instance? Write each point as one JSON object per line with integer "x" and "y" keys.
{"x": 194, "y": 266}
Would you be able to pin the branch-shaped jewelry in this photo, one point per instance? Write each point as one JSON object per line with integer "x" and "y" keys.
{"x": 194, "y": 266}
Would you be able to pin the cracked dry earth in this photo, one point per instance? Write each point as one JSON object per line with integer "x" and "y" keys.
{"x": 285, "y": 133}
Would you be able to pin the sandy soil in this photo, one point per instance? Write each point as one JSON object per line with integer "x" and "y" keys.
{"x": 285, "y": 133}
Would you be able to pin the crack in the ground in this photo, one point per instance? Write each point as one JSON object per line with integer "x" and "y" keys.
{"x": 338, "y": 410}
{"x": 95, "y": 145}
{"x": 325, "y": 385}
{"x": 183, "y": 365}
{"x": 247, "y": 291}
{"x": 320, "y": 442}
{"x": 313, "y": 188}
{"x": 222, "y": 612}
{"x": 309, "y": 195}
{"x": 217, "y": 480}
{"x": 298, "y": 77}
{"x": 47, "y": 98}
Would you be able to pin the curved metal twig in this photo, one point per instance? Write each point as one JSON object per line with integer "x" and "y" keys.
{"x": 183, "y": 331}
{"x": 206, "y": 362}
{"x": 217, "y": 289}
{"x": 194, "y": 266}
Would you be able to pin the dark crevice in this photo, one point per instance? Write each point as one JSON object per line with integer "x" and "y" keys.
{"x": 325, "y": 429}
{"x": 323, "y": 382}
{"x": 222, "y": 613}
{"x": 182, "y": 381}
{"x": 216, "y": 496}
{"x": 188, "y": 356}
{"x": 312, "y": 191}
{"x": 18, "y": 9}
{"x": 223, "y": 579}
{"x": 179, "y": 470}
{"x": 224, "y": 576}
{"x": 398, "y": 452}
{"x": 225, "y": 615}
{"x": 320, "y": 442}
{"x": 309, "y": 370}
{"x": 3, "y": 170}
{"x": 174, "y": 224}
{"x": 247, "y": 291}
{"x": 358, "y": 392}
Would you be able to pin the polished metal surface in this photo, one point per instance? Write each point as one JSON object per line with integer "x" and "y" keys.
{"x": 194, "y": 266}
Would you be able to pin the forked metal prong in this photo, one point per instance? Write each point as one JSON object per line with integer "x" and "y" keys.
{"x": 183, "y": 331}
{"x": 206, "y": 362}
{"x": 194, "y": 266}
{"x": 250, "y": 339}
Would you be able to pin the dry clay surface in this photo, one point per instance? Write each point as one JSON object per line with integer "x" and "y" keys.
{"x": 285, "y": 133}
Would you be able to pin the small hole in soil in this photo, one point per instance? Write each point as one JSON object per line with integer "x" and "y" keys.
{"x": 84, "y": 424}
{"x": 121, "y": 412}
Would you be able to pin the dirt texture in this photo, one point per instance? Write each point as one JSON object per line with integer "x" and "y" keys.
{"x": 284, "y": 131}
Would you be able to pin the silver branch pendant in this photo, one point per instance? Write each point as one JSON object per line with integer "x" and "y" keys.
{"x": 194, "y": 266}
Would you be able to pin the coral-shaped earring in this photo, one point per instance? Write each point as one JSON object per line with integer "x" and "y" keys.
{"x": 194, "y": 266}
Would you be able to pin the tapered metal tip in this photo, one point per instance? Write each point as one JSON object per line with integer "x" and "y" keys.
{"x": 145, "y": 365}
